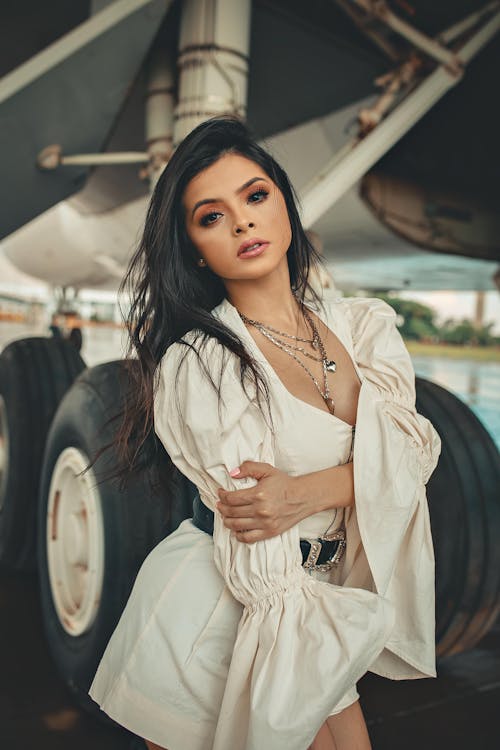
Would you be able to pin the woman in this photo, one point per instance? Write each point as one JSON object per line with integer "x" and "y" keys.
{"x": 252, "y": 635}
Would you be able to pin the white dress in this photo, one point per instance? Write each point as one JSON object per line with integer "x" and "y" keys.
{"x": 225, "y": 645}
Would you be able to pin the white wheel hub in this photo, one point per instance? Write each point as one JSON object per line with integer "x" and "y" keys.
{"x": 75, "y": 542}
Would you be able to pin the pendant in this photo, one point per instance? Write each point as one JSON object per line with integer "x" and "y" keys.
{"x": 331, "y": 405}
{"x": 331, "y": 366}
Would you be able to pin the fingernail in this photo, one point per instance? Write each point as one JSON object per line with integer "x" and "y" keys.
{"x": 234, "y": 472}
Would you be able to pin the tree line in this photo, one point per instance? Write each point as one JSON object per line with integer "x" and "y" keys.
{"x": 417, "y": 322}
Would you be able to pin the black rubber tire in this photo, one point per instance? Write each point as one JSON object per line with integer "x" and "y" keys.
{"x": 35, "y": 373}
{"x": 134, "y": 522}
{"x": 464, "y": 506}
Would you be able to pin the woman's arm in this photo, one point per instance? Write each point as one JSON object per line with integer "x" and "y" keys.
{"x": 279, "y": 501}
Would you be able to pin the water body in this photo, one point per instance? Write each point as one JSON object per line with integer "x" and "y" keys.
{"x": 475, "y": 383}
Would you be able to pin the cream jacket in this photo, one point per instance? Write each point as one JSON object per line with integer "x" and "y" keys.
{"x": 302, "y": 643}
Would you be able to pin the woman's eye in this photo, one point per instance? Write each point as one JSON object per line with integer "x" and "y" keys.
{"x": 209, "y": 218}
{"x": 261, "y": 193}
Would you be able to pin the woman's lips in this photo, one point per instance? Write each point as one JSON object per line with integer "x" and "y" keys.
{"x": 253, "y": 253}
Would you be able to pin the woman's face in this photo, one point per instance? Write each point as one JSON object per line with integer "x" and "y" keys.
{"x": 231, "y": 202}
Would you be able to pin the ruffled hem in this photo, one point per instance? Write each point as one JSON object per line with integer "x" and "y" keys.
{"x": 338, "y": 631}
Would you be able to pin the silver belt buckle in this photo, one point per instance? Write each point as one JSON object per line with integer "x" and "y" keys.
{"x": 317, "y": 546}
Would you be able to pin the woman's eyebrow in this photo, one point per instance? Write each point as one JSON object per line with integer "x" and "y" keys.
{"x": 216, "y": 200}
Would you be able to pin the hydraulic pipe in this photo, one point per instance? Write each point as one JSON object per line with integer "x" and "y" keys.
{"x": 214, "y": 45}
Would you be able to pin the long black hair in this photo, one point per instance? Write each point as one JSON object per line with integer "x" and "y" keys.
{"x": 171, "y": 294}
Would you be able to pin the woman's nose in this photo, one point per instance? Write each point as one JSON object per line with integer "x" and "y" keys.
{"x": 240, "y": 226}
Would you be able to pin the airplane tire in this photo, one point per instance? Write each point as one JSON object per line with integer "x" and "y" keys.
{"x": 464, "y": 507}
{"x": 92, "y": 535}
{"x": 35, "y": 373}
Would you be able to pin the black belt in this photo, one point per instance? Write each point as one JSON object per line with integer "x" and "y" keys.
{"x": 321, "y": 553}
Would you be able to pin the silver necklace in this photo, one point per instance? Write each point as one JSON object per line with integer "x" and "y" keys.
{"x": 301, "y": 349}
{"x": 313, "y": 341}
{"x": 316, "y": 342}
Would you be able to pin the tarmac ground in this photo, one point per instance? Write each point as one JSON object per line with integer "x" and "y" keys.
{"x": 458, "y": 710}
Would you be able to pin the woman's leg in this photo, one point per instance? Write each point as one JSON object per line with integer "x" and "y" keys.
{"x": 323, "y": 740}
{"x": 343, "y": 731}
{"x": 349, "y": 730}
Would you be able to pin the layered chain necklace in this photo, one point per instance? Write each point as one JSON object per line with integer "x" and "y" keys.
{"x": 328, "y": 364}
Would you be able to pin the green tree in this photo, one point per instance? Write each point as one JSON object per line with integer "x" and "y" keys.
{"x": 464, "y": 332}
{"x": 418, "y": 319}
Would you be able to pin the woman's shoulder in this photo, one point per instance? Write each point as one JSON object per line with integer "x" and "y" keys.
{"x": 193, "y": 346}
{"x": 378, "y": 346}
{"x": 199, "y": 386}
{"x": 363, "y": 318}
{"x": 359, "y": 310}
{"x": 201, "y": 354}
{"x": 199, "y": 364}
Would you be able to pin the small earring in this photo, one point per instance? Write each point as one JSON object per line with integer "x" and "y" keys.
{"x": 201, "y": 262}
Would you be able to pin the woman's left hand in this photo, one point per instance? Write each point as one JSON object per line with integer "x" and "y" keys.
{"x": 264, "y": 510}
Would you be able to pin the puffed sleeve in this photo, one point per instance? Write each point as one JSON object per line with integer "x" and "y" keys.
{"x": 396, "y": 451}
{"x": 301, "y": 643}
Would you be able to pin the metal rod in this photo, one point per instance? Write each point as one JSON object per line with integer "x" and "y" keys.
{"x": 430, "y": 46}
{"x": 69, "y": 44}
{"x": 89, "y": 160}
{"x": 333, "y": 182}
{"x": 480, "y": 39}
{"x": 359, "y": 19}
{"x": 456, "y": 31}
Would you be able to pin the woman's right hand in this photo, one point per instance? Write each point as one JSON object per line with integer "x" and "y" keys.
{"x": 278, "y": 501}
{"x": 265, "y": 510}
